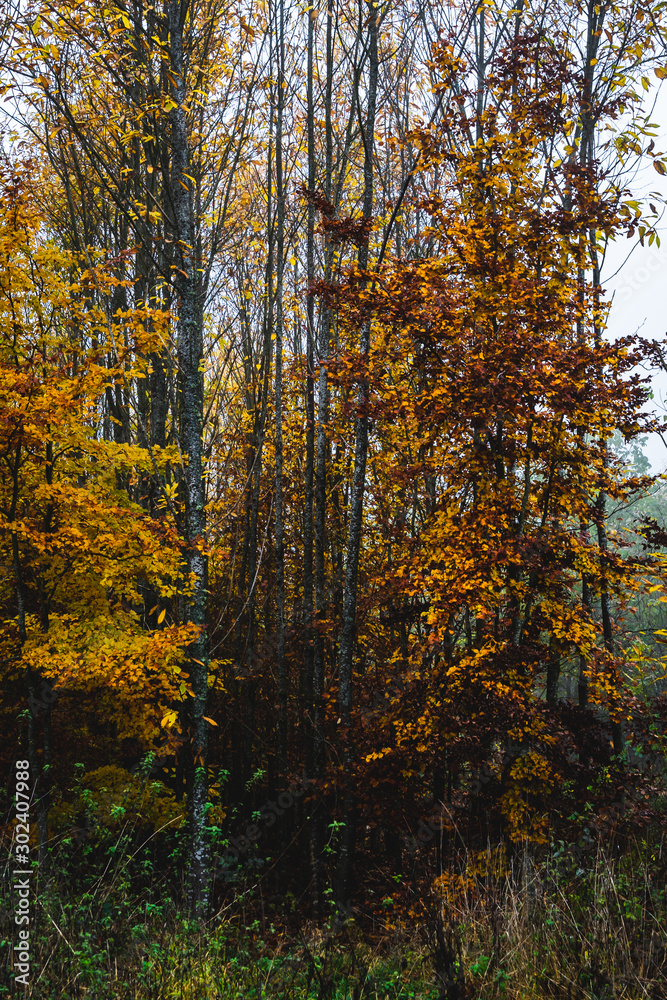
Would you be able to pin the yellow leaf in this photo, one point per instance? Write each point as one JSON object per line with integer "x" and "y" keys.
{"x": 212, "y": 721}
{"x": 160, "y": 617}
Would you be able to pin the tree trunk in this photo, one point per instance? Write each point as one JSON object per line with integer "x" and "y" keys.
{"x": 310, "y": 402}
{"x": 348, "y": 623}
{"x": 320, "y": 500}
{"x": 191, "y": 404}
{"x": 278, "y": 503}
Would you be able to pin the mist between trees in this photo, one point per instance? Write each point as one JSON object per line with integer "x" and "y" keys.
{"x": 316, "y": 460}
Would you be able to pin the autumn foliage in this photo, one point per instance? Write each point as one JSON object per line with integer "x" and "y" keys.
{"x": 232, "y": 319}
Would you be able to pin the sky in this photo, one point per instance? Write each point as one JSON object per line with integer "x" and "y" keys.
{"x": 639, "y": 284}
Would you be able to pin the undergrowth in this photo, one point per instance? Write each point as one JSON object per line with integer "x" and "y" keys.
{"x": 532, "y": 926}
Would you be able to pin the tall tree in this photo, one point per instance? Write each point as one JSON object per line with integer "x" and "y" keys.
{"x": 348, "y": 621}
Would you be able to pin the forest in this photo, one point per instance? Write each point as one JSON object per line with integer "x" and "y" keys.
{"x": 332, "y": 569}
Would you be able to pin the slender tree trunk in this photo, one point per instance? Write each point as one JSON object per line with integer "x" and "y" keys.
{"x": 42, "y": 771}
{"x": 313, "y": 500}
{"x": 586, "y": 152}
{"x": 191, "y": 406}
{"x": 310, "y": 400}
{"x": 553, "y": 677}
{"x": 605, "y": 609}
{"x": 601, "y": 510}
{"x": 348, "y": 623}
{"x": 320, "y": 500}
{"x": 279, "y": 522}
{"x": 582, "y": 684}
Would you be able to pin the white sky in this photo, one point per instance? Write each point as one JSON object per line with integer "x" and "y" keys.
{"x": 640, "y": 288}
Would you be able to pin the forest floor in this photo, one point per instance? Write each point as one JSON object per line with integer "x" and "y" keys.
{"x": 553, "y": 926}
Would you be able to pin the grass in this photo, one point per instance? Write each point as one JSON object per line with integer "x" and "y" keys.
{"x": 543, "y": 925}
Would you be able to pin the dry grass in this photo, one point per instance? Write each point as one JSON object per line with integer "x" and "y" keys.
{"x": 554, "y": 928}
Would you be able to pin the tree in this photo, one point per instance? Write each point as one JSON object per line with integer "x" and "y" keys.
{"x": 158, "y": 82}
{"x": 76, "y": 541}
{"x": 491, "y": 383}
